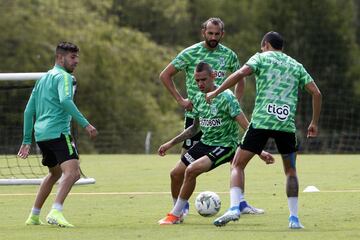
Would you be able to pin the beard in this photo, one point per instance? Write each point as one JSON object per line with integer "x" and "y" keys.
{"x": 69, "y": 68}
{"x": 212, "y": 43}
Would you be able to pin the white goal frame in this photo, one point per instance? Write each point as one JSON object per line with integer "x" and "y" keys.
{"x": 32, "y": 181}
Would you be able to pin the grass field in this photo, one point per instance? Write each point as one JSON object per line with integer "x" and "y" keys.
{"x": 132, "y": 193}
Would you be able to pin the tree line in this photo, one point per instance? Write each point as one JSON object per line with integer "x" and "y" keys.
{"x": 125, "y": 44}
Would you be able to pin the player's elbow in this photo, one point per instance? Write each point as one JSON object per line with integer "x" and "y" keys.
{"x": 163, "y": 76}
{"x": 317, "y": 94}
{"x": 65, "y": 103}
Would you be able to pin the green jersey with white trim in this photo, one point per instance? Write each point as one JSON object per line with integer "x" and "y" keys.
{"x": 51, "y": 105}
{"x": 217, "y": 119}
{"x": 222, "y": 60}
{"x": 278, "y": 78}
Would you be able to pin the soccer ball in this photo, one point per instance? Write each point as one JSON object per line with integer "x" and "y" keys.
{"x": 207, "y": 204}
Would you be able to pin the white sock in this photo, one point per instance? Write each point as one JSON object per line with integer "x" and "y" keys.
{"x": 293, "y": 206}
{"x": 57, "y": 206}
{"x": 174, "y": 201}
{"x": 179, "y": 206}
{"x": 35, "y": 211}
{"x": 236, "y": 196}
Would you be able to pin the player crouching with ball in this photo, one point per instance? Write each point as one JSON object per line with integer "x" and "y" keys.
{"x": 219, "y": 123}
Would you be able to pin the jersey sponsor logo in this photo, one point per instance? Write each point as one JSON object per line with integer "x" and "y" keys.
{"x": 216, "y": 122}
{"x": 281, "y": 112}
{"x": 219, "y": 73}
{"x": 189, "y": 158}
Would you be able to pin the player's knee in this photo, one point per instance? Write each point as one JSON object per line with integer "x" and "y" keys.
{"x": 237, "y": 165}
{"x": 176, "y": 174}
{"x": 191, "y": 172}
{"x": 55, "y": 173}
{"x": 73, "y": 175}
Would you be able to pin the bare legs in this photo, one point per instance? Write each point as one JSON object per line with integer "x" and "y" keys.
{"x": 71, "y": 173}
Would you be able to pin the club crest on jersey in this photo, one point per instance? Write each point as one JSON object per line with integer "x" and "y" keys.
{"x": 281, "y": 112}
{"x": 213, "y": 109}
{"x": 222, "y": 61}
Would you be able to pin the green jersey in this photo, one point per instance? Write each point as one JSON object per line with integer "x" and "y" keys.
{"x": 278, "y": 78}
{"x": 217, "y": 119}
{"x": 51, "y": 104}
{"x": 222, "y": 60}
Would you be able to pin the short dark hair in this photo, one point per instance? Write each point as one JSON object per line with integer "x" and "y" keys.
{"x": 215, "y": 21}
{"x": 275, "y": 40}
{"x": 203, "y": 66}
{"x": 64, "y": 47}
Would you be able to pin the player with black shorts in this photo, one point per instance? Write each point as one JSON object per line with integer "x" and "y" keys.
{"x": 219, "y": 122}
{"x": 52, "y": 107}
{"x": 278, "y": 80}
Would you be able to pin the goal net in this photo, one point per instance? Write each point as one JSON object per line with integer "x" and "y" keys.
{"x": 15, "y": 89}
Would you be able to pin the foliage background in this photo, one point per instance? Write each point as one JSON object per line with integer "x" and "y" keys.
{"x": 125, "y": 44}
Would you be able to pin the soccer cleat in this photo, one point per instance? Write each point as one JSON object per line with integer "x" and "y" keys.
{"x": 33, "y": 220}
{"x": 245, "y": 208}
{"x": 169, "y": 219}
{"x": 294, "y": 223}
{"x": 233, "y": 214}
{"x": 55, "y": 217}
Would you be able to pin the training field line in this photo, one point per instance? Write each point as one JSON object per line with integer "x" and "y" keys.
{"x": 155, "y": 193}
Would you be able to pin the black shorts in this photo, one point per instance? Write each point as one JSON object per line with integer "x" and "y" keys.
{"x": 254, "y": 140}
{"x": 188, "y": 143}
{"x": 217, "y": 154}
{"x": 57, "y": 151}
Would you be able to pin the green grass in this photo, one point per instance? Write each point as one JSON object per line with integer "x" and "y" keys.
{"x": 332, "y": 213}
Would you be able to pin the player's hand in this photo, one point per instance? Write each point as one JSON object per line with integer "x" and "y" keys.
{"x": 186, "y": 104}
{"x": 24, "y": 151}
{"x": 91, "y": 131}
{"x": 268, "y": 158}
{"x": 312, "y": 130}
{"x": 209, "y": 96}
{"x": 163, "y": 148}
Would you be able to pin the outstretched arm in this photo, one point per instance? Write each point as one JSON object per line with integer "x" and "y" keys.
{"x": 166, "y": 77}
{"x": 230, "y": 81}
{"x": 186, "y": 134}
{"x": 316, "y": 106}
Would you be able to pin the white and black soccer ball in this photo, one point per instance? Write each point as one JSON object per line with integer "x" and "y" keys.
{"x": 207, "y": 204}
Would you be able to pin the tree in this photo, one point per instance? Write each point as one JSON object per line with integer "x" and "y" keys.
{"x": 118, "y": 72}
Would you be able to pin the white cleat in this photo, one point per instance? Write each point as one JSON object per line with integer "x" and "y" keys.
{"x": 233, "y": 214}
{"x": 252, "y": 210}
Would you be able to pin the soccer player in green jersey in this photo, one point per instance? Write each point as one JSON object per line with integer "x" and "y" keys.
{"x": 278, "y": 78}
{"x": 49, "y": 112}
{"x": 219, "y": 123}
{"x": 222, "y": 60}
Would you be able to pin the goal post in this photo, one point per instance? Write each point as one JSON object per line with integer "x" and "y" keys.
{"x": 21, "y": 76}
{"x": 14, "y": 93}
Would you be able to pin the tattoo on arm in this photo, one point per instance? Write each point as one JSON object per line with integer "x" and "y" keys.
{"x": 187, "y": 133}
